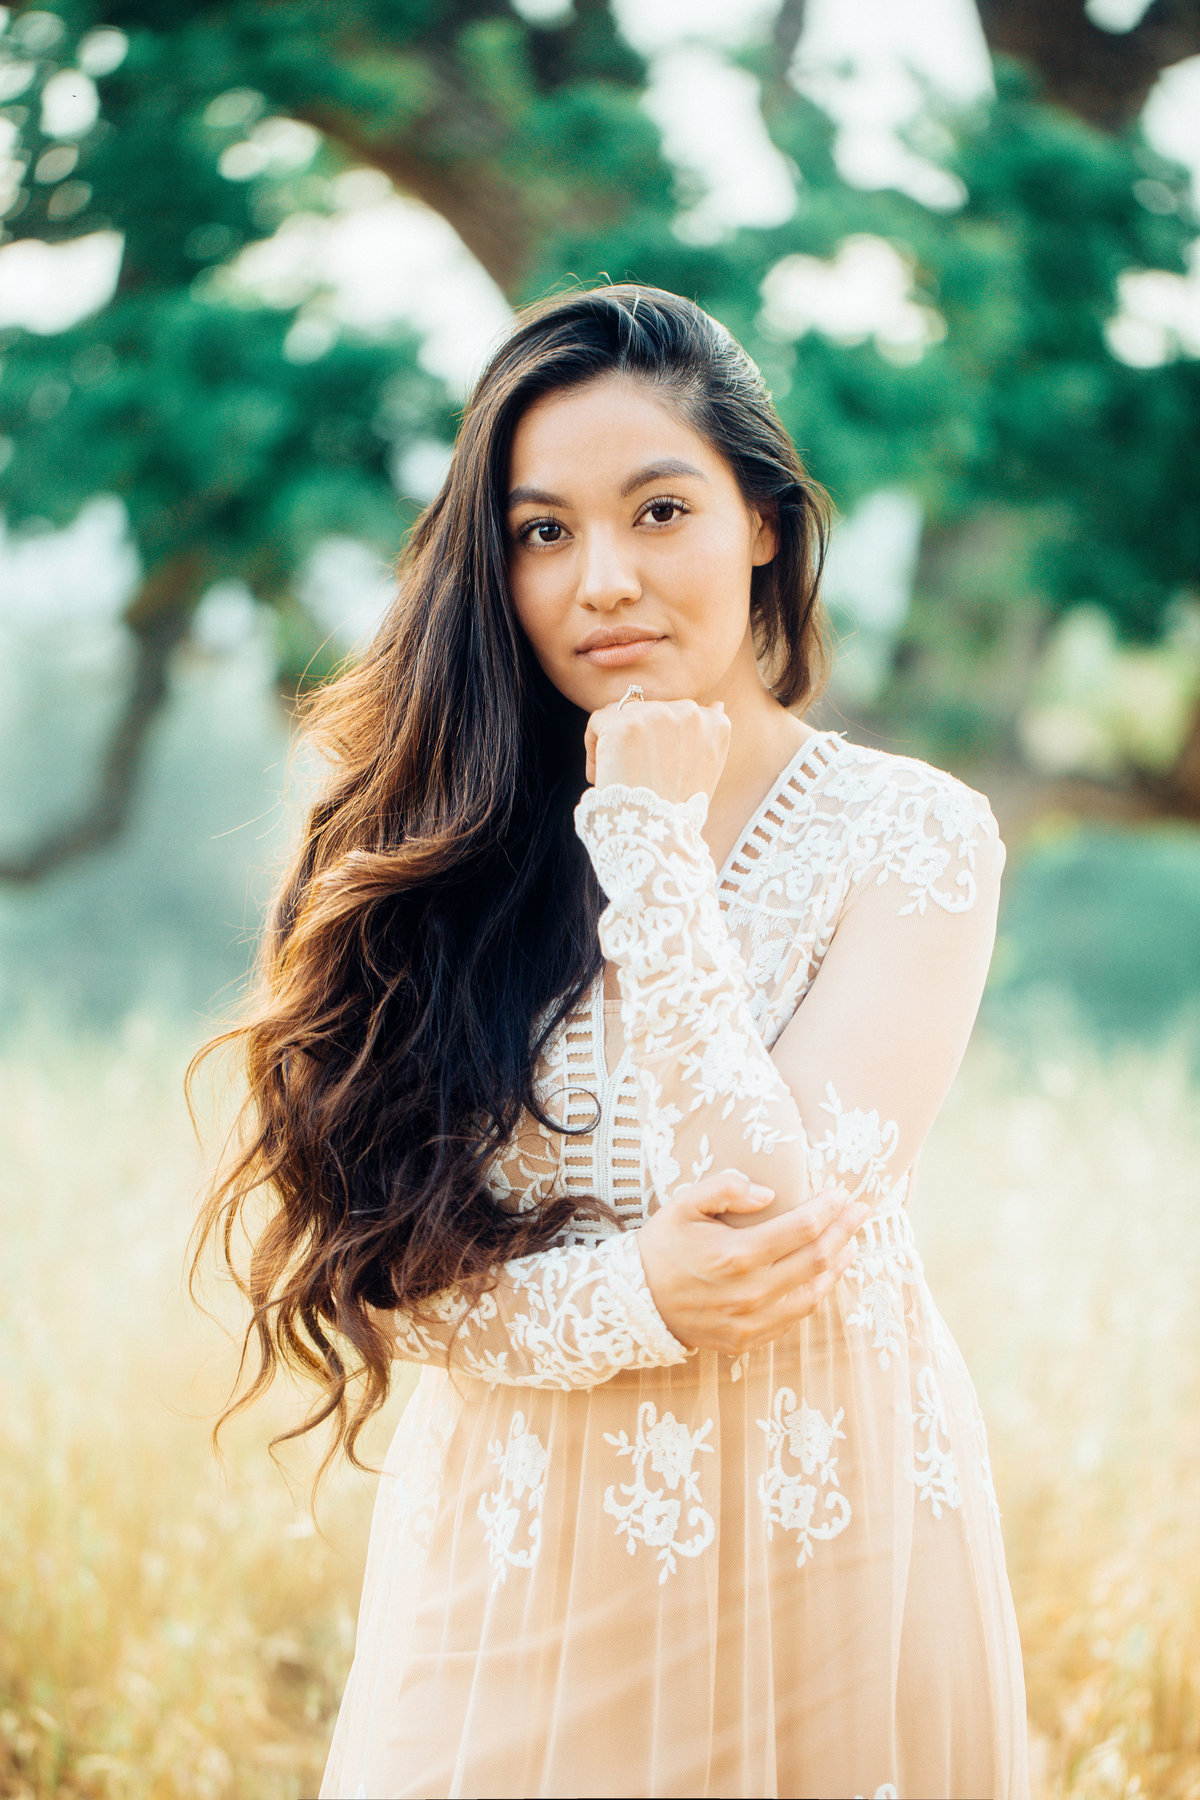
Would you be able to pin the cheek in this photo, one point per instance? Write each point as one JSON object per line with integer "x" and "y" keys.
{"x": 536, "y": 610}
{"x": 712, "y": 582}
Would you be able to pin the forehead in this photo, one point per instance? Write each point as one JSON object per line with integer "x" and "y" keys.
{"x": 603, "y": 430}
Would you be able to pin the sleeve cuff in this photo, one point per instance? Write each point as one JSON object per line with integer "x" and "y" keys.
{"x": 628, "y": 832}
{"x": 693, "y": 811}
{"x": 627, "y": 1279}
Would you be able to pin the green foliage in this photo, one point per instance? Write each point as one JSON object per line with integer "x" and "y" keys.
{"x": 232, "y": 457}
{"x": 1110, "y": 919}
{"x": 530, "y": 138}
{"x": 1027, "y": 277}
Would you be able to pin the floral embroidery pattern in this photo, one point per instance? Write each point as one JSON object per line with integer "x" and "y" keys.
{"x": 789, "y": 1496}
{"x": 684, "y": 1006}
{"x": 710, "y": 971}
{"x": 522, "y": 1463}
{"x": 886, "y": 1272}
{"x": 653, "y": 1515}
{"x": 571, "y": 1317}
{"x": 418, "y": 1482}
{"x": 854, "y": 1144}
{"x": 935, "y": 1471}
{"x": 895, "y": 799}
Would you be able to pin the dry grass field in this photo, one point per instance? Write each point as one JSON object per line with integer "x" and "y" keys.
{"x": 173, "y": 1629}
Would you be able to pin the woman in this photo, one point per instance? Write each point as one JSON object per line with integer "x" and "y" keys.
{"x": 604, "y": 1106}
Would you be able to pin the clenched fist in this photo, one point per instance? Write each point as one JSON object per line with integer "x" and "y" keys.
{"x": 674, "y": 747}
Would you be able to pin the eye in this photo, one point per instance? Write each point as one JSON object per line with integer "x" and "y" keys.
{"x": 541, "y": 531}
{"x": 663, "y": 511}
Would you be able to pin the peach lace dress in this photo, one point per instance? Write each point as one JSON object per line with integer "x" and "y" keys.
{"x": 601, "y": 1564}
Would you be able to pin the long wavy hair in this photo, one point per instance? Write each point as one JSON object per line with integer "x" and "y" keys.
{"x": 439, "y": 917}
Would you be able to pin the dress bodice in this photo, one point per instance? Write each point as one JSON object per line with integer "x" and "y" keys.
{"x": 838, "y": 815}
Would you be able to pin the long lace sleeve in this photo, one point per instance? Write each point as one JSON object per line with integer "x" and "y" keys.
{"x": 853, "y": 1083}
{"x": 562, "y": 1318}
{"x": 709, "y": 1095}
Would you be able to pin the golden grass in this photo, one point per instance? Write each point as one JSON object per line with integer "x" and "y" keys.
{"x": 171, "y": 1629}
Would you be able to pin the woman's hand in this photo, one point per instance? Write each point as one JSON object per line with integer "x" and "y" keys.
{"x": 732, "y": 1291}
{"x": 674, "y": 747}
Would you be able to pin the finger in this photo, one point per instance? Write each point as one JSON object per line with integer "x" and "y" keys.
{"x": 789, "y": 1231}
{"x": 800, "y": 1304}
{"x": 833, "y": 1251}
{"x": 591, "y": 738}
{"x": 728, "y": 1191}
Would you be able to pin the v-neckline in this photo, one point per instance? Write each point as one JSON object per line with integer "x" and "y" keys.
{"x": 788, "y": 776}
{"x": 789, "y": 773}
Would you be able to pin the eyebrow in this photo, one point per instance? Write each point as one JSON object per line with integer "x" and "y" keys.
{"x": 670, "y": 465}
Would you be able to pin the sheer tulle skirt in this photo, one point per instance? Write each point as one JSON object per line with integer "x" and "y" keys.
{"x": 778, "y": 1577}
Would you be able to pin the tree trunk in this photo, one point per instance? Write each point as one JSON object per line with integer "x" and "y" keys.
{"x": 158, "y": 619}
{"x": 1184, "y": 777}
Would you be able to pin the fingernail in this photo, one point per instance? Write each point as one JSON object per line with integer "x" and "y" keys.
{"x": 759, "y": 1192}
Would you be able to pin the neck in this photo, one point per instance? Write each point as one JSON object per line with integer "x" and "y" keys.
{"x": 765, "y": 738}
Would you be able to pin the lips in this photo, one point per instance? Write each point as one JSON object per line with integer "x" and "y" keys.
{"x": 619, "y": 649}
{"x": 623, "y": 634}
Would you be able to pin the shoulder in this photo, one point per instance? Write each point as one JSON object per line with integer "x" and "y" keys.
{"x": 914, "y": 823}
{"x": 896, "y": 789}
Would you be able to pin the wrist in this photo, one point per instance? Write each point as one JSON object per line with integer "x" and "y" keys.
{"x": 655, "y": 1273}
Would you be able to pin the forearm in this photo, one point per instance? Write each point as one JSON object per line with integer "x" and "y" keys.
{"x": 710, "y": 1095}
{"x": 562, "y": 1318}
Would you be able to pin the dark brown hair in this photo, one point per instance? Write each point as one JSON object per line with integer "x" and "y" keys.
{"x": 439, "y": 918}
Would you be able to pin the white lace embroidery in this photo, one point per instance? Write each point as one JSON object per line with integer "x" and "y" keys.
{"x": 653, "y": 1515}
{"x": 935, "y": 1471}
{"x": 683, "y": 983}
{"x": 704, "y": 991}
{"x": 854, "y": 1144}
{"x": 891, "y": 835}
{"x": 693, "y": 1007}
{"x": 858, "y": 1150}
{"x": 884, "y": 1266}
{"x": 789, "y": 1496}
{"x": 570, "y": 1318}
{"x": 419, "y": 1482}
{"x": 983, "y": 1464}
{"x": 864, "y": 815}
{"x": 517, "y": 1501}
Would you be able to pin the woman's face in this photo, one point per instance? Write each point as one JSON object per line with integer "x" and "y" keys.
{"x": 630, "y": 548}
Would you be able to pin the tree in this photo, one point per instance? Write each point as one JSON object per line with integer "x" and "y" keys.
{"x": 232, "y": 452}
{"x": 1050, "y": 471}
{"x": 1101, "y": 76}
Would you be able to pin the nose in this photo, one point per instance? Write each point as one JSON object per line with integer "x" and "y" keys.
{"x": 607, "y": 572}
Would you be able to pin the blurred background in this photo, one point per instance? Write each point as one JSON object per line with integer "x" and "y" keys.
{"x": 251, "y": 257}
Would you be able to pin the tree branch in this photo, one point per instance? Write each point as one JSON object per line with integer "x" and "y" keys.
{"x": 1103, "y": 76}
{"x": 487, "y": 215}
{"x": 786, "y": 33}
